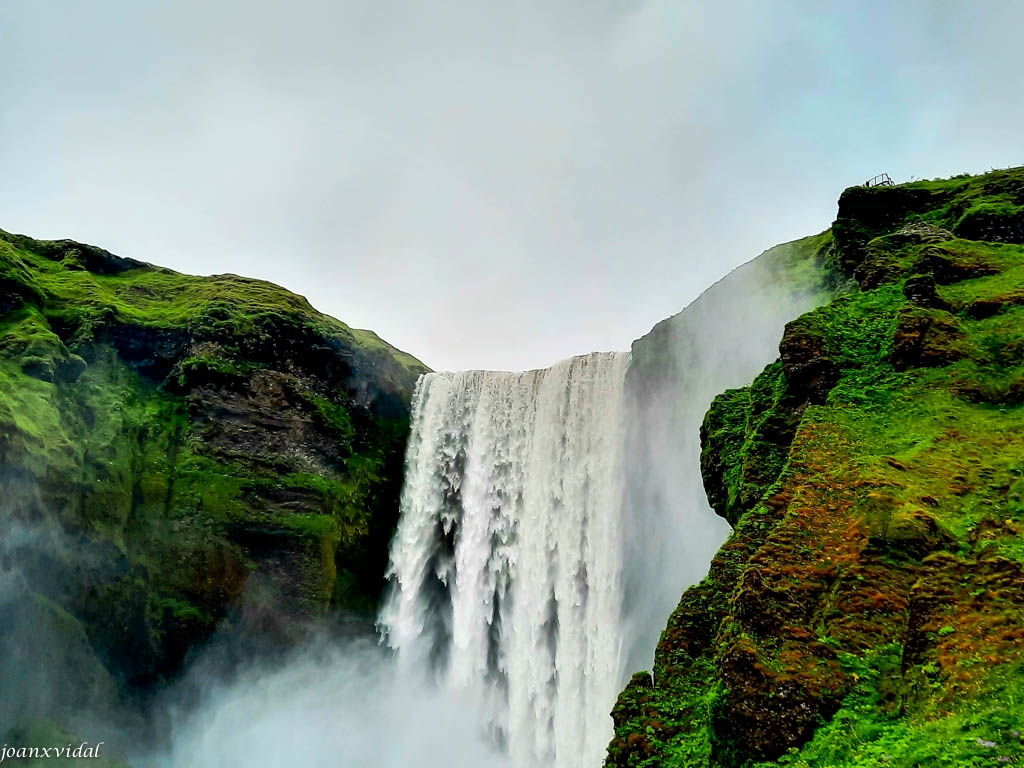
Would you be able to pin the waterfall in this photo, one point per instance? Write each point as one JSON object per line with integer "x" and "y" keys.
{"x": 506, "y": 568}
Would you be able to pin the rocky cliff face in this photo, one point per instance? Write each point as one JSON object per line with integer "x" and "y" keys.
{"x": 867, "y": 608}
{"x": 175, "y": 450}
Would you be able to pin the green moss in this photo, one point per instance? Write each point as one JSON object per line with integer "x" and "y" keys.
{"x": 863, "y": 734}
{"x": 187, "y": 433}
{"x": 985, "y": 207}
{"x": 311, "y": 525}
{"x": 754, "y": 427}
{"x": 152, "y": 297}
{"x": 210, "y": 367}
{"x": 179, "y": 610}
{"x": 866, "y": 610}
{"x": 336, "y": 416}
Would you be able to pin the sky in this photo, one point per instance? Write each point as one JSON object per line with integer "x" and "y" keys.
{"x": 486, "y": 184}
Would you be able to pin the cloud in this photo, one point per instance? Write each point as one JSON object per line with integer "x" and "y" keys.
{"x": 486, "y": 185}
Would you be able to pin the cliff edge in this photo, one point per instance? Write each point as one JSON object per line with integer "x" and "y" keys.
{"x": 174, "y": 451}
{"x": 868, "y": 608}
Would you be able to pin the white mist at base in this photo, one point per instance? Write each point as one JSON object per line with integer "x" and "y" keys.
{"x": 348, "y": 707}
{"x": 507, "y": 564}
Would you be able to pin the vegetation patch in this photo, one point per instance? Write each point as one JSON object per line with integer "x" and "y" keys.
{"x": 175, "y": 442}
{"x": 868, "y": 608}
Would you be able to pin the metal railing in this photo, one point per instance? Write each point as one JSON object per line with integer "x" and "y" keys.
{"x": 881, "y": 180}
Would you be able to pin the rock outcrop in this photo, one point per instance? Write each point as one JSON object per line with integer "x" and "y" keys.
{"x": 868, "y": 608}
{"x": 178, "y": 450}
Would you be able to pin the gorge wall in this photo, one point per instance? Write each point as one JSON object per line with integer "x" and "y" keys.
{"x": 176, "y": 451}
{"x": 184, "y": 451}
{"x": 867, "y": 607}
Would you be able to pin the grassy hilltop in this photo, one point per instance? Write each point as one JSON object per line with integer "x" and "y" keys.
{"x": 868, "y": 608}
{"x": 175, "y": 450}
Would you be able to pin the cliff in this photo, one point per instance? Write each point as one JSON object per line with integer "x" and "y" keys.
{"x": 175, "y": 450}
{"x": 867, "y": 608}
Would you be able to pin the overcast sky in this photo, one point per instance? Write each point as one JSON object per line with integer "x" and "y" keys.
{"x": 494, "y": 184}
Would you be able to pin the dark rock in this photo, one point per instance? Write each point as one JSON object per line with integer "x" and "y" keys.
{"x": 993, "y": 225}
{"x": 949, "y": 266}
{"x": 921, "y": 290}
{"x": 80, "y": 255}
{"x": 884, "y": 259}
{"x": 15, "y": 293}
{"x": 151, "y": 351}
{"x": 810, "y": 373}
{"x": 866, "y": 213}
{"x": 69, "y": 370}
{"x": 763, "y": 712}
{"x": 979, "y": 309}
{"x": 764, "y": 608}
{"x": 927, "y": 339}
{"x": 813, "y": 379}
{"x": 42, "y": 368}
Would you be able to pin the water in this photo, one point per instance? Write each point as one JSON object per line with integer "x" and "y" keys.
{"x": 507, "y": 564}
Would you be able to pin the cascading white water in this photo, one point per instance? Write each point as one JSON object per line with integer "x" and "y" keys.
{"x": 506, "y": 567}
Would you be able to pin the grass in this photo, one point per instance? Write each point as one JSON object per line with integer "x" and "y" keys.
{"x": 156, "y": 298}
{"x": 867, "y": 609}
{"x": 122, "y": 387}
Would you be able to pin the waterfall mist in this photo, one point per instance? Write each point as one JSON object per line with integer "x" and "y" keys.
{"x": 720, "y": 341}
{"x": 47, "y": 666}
{"x": 329, "y": 705}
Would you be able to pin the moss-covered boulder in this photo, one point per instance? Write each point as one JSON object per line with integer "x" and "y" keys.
{"x": 868, "y": 608}
{"x": 177, "y": 450}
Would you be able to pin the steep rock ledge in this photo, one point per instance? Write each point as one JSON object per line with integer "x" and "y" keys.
{"x": 867, "y": 609}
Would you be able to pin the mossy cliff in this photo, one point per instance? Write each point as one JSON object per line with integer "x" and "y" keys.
{"x": 175, "y": 450}
{"x": 868, "y": 608}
